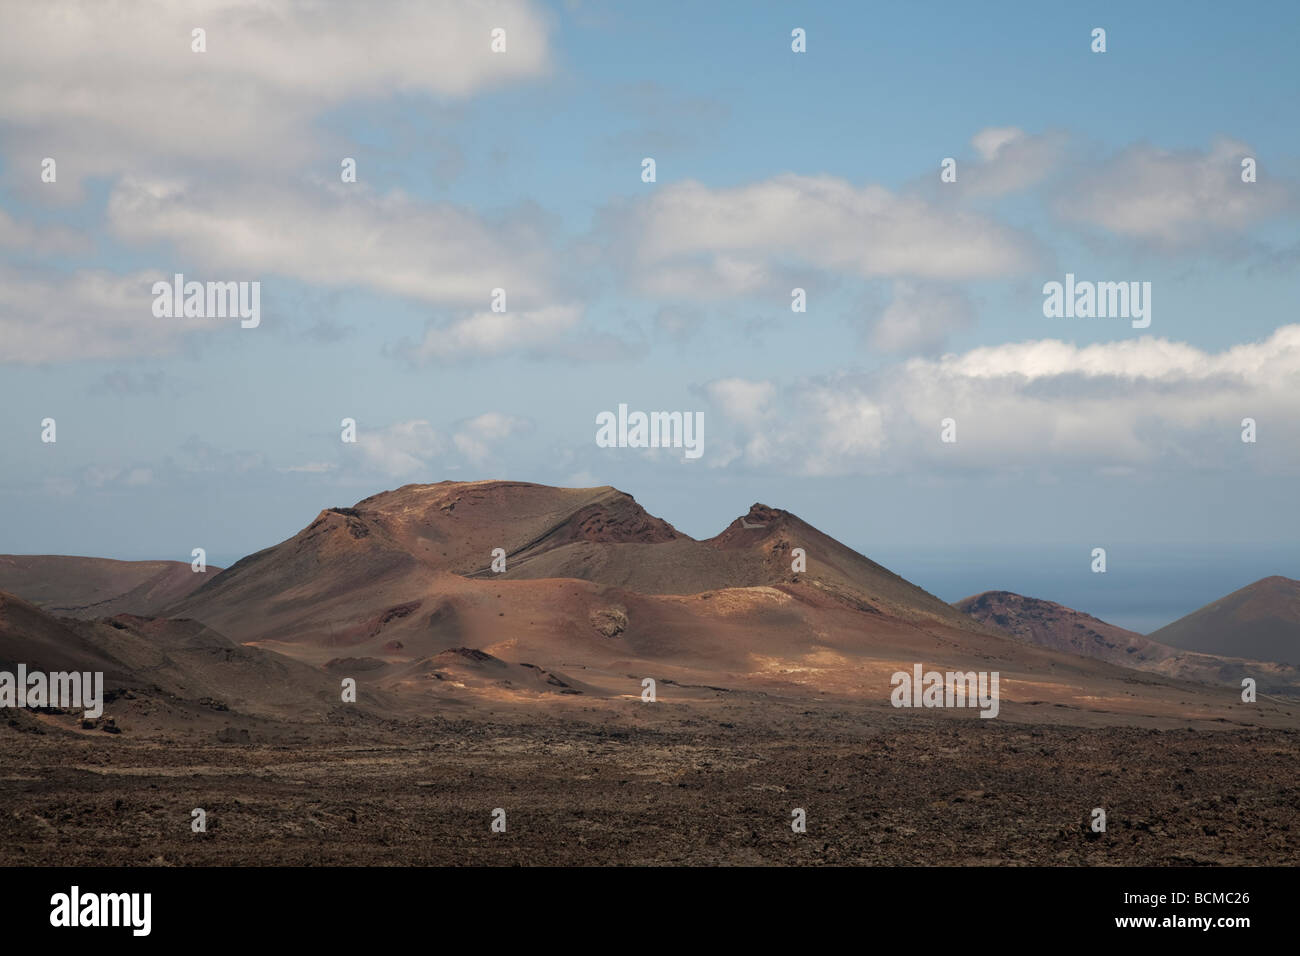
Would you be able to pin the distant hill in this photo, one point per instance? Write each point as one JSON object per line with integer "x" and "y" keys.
{"x": 29, "y": 635}
{"x": 1261, "y": 620}
{"x": 1048, "y": 624}
{"x": 98, "y": 587}
{"x": 179, "y": 660}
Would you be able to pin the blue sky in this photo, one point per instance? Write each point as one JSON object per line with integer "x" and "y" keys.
{"x": 775, "y": 169}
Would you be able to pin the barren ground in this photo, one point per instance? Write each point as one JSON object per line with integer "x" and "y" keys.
{"x": 705, "y": 783}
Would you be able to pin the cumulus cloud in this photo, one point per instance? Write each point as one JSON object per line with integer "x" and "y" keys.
{"x": 1174, "y": 198}
{"x": 992, "y": 140}
{"x": 476, "y": 437}
{"x": 495, "y": 333}
{"x": 88, "y": 315}
{"x": 401, "y": 450}
{"x": 1045, "y": 406}
{"x": 742, "y": 400}
{"x": 920, "y": 318}
{"x": 339, "y": 236}
{"x": 44, "y": 240}
{"x": 1010, "y": 160}
{"x": 414, "y": 449}
{"x": 689, "y": 239}
{"x": 105, "y": 88}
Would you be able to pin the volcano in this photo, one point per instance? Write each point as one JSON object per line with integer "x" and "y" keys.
{"x": 584, "y": 582}
{"x": 1261, "y": 621}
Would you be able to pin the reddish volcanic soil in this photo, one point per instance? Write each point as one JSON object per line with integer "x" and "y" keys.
{"x": 98, "y": 587}
{"x": 771, "y": 647}
{"x": 1261, "y": 620}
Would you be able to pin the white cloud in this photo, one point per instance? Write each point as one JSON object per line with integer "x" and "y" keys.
{"x": 751, "y": 404}
{"x": 45, "y": 240}
{"x": 581, "y": 479}
{"x": 1175, "y": 198}
{"x": 692, "y": 240}
{"x": 1010, "y": 160}
{"x": 414, "y": 449}
{"x": 1043, "y": 406}
{"x": 476, "y": 437}
{"x": 742, "y": 400}
{"x": 401, "y": 450}
{"x": 920, "y": 318}
{"x": 992, "y": 140}
{"x": 109, "y": 87}
{"x": 87, "y": 315}
{"x": 338, "y": 236}
{"x": 495, "y": 333}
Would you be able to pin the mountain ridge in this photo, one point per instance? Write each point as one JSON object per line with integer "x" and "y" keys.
{"x": 1050, "y": 624}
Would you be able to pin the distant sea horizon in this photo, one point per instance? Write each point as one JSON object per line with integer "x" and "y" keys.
{"x": 1144, "y": 588}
